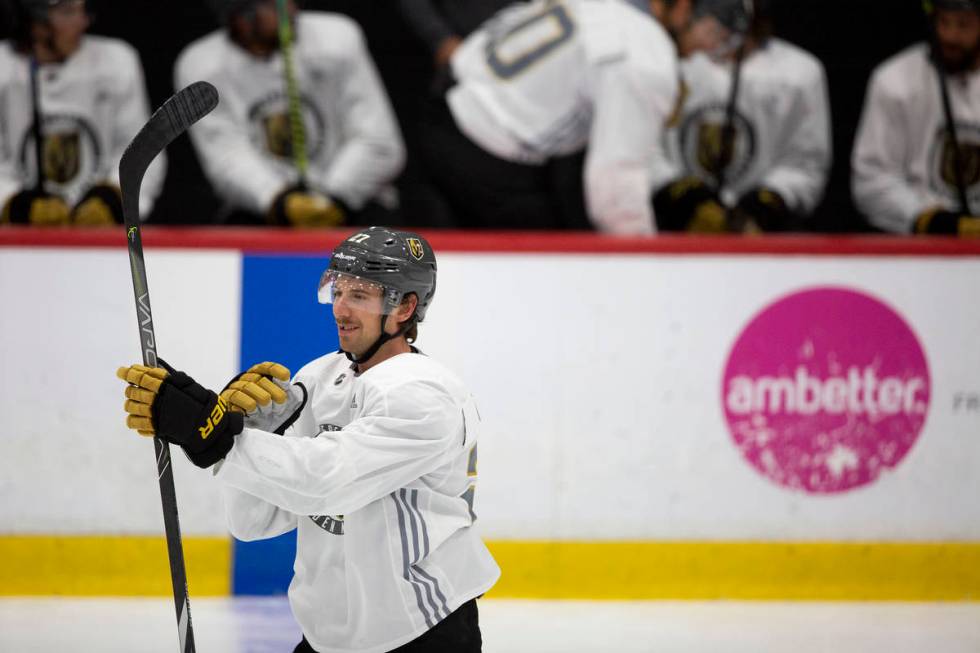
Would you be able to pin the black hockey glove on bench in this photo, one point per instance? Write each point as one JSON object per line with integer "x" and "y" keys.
{"x": 173, "y": 406}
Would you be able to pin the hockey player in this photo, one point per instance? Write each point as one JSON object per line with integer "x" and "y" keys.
{"x": 543, "y": 79}
{"x": 91, "y": 99}
{"x": 909, "y": 175}
{"x": 770, "y": 151}
{"x": 376, "y": 470}
{"x": 352, "y": 142}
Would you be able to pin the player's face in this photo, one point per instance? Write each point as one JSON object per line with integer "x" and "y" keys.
{"x": 267, "y": 21}
{"x": 67, "y": 23}
{"x": 357, "y": 308}
{"x": 690, "y": 34}
{"x": 959, "y": 39}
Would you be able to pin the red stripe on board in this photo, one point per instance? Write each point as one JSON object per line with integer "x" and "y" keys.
{"x": 320, "y": 241}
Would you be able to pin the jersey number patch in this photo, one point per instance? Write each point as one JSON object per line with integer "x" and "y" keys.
{"x": 520, "y": 46}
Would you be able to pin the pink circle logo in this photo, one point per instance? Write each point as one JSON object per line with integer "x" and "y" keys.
{"x": 825, "y": 389}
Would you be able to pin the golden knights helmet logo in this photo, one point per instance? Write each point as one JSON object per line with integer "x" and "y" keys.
{"x": 415, "y": 247}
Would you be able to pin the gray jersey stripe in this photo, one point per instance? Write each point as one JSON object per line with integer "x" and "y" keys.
{"x": 406, "y": 574}
{"x": 413, "y": 518}
{"x": 435, "y": 584}
{"x": 425, "y": 539}
{"x": 425, "y": 531}
{"x": 416, "y": 553}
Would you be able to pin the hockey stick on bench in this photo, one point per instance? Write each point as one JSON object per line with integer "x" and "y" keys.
{"x": 167, "y": 123}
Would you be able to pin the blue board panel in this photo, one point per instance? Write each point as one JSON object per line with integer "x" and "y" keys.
{"x": 282, "y": 322}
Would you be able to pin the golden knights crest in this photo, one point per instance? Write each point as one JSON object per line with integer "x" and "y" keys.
{"x": 415, "y": 247}
{"x": 716, "y": 149}
{"x": 969, "y": 160}
{"x": 278, "y": 135}
{"x": 942, "y": 163}
{"x": 707, "y": 150}
{"x": 71, "y": 154}
{"x": 271, "y": 130}
{"x": 62, "y": 154}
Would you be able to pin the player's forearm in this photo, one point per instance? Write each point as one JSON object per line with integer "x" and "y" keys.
{"x": 326, "y": 476}
{"x": 886, "y": 200}
{"x": 250, "y": 518}
{"x": 800, "y": 186}
{"x": 618, "y": 200}
{"x": 363, "y": 167}
{"x": 239, "y": 176}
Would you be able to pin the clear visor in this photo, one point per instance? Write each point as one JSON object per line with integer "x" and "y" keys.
{"x": 342, "y": 289}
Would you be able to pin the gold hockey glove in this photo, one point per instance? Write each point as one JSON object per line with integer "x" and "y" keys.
{"x": 275, "y": 403}
{"x": 940, "y": 221}
{"x": 303, "y": 208}
{"x": 38, "y": 209}
{"x": 101, "y": 205}
{"x": 688, "y": 204}
{"x": 171, "y": 405}
{"x": 763, "y": 209}
{"x": 256, "y": 387}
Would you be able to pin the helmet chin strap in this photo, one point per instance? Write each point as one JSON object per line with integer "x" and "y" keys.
{"x": 382, "y": 339}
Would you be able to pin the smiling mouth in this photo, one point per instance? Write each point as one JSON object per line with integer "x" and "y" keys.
{"x": 346, "y": 329}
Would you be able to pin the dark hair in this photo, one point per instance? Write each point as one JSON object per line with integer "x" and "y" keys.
{"x": 761, "y": 29}
{"x": 412, "y": 323}
{"x": 412, "y": 333}
{"x": 17, "y": 21}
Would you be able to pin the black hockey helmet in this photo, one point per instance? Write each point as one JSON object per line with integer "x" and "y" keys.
{"x": 401, "y": 262}
{"x": 957, "y": 5}
{"x": 225, "y": 9}
{"x": 735, "y": 15}
{"x": 37, "y": 10}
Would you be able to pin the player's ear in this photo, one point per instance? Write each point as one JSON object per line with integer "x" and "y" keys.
{"x": 407, "y": 308}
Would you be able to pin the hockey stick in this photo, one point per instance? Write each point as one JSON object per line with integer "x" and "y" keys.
{"x": 36, "y": 126}
{"x": 167, "y": 123}
{"x": 297, "y": 130}
{"x": 930, "y": 11}
{"x": 728, "y": 132}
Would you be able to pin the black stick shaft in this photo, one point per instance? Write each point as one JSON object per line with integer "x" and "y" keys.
{"x": 951, "y": 134}
{"x": 167, "y": 123}
{"x": 728, "y": 132}
{"x": 36, "y": 125}
{"x": 168, "y": 495}
{"x": 954, "y": 141}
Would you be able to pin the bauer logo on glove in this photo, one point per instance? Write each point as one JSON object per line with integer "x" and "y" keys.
{"x": 216, "y": 415}
{"x": 171, "y": 405}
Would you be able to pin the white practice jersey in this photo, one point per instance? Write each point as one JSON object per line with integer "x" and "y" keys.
{"x": 92, "y": 105}
{"x": 781, "y": 122}
{"x": 377, "y": 474}
{"x": 354, "y": 147}
{"x": 903, "y": 162}
{"x": 546, "y": 78}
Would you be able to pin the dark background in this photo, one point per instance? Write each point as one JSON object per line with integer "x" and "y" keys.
{"x": 849, "y": 37}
